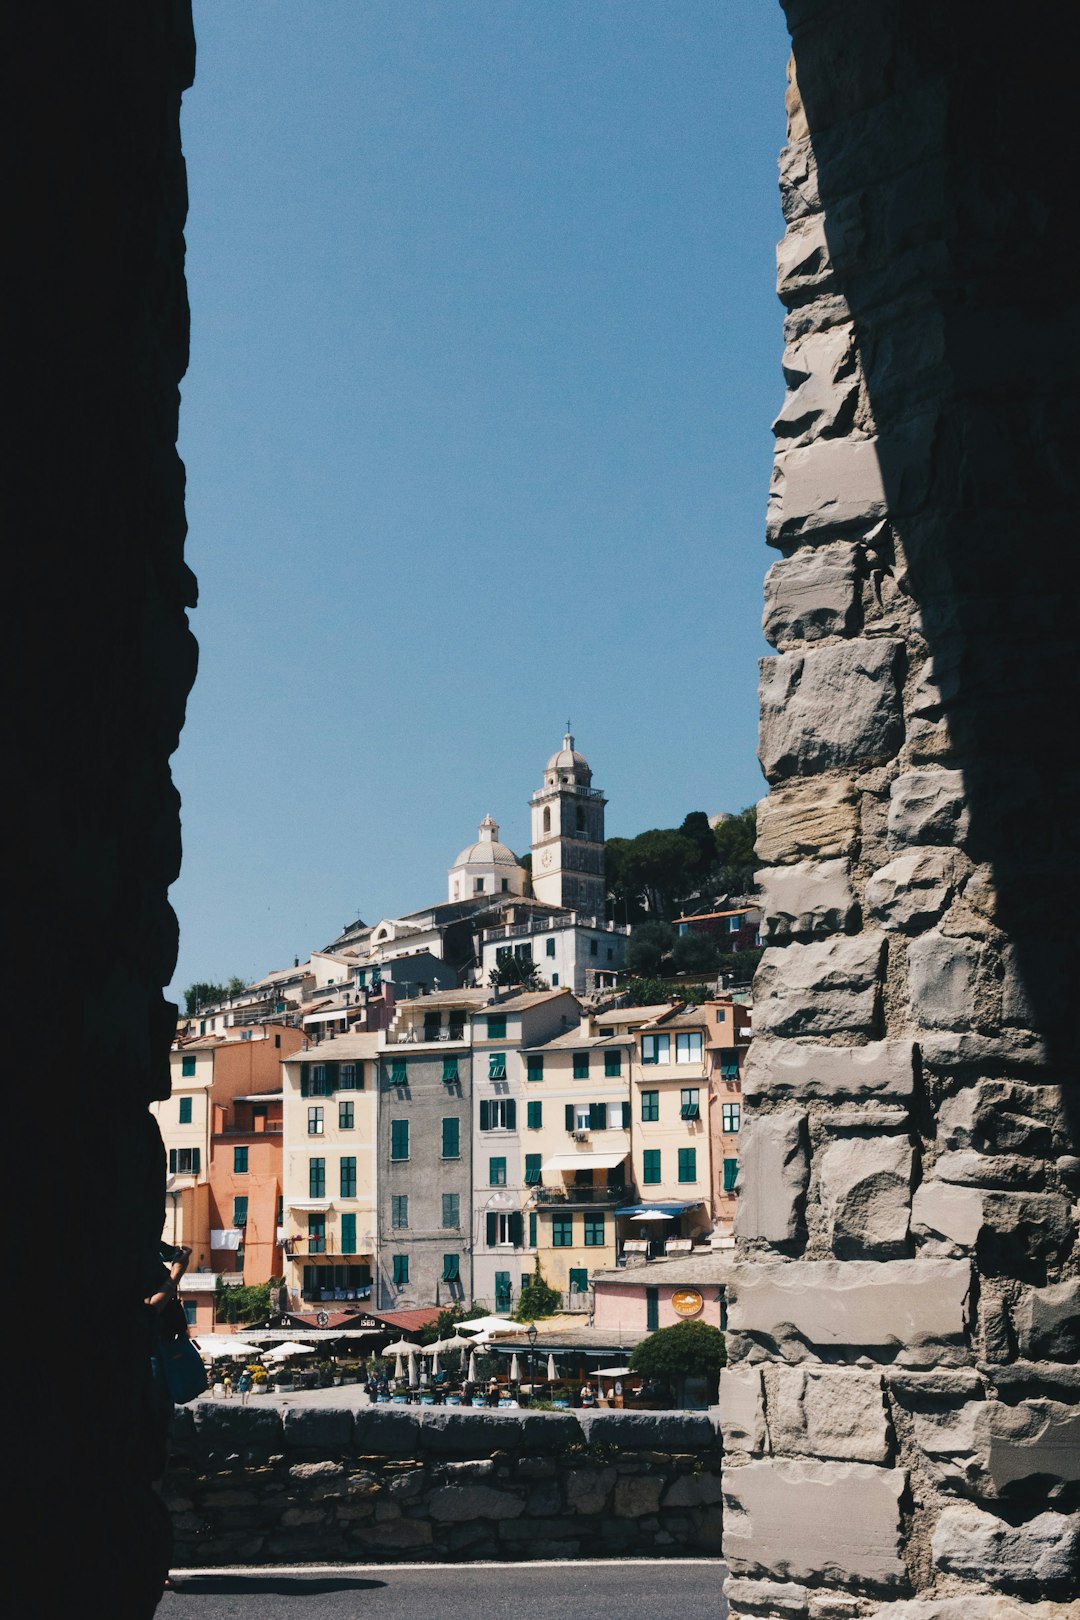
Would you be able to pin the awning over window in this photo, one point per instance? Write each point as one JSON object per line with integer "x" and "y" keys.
{"x": 312, "y": 1204}
{"x": 584, "y": 1161}
{"x": 668, "y": 1209}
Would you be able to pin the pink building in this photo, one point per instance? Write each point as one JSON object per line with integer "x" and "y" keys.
{"x": 639, "y": 1299}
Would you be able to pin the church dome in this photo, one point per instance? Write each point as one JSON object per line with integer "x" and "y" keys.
{"x": 487, "y": 851}
{"x": 567, "y": 759}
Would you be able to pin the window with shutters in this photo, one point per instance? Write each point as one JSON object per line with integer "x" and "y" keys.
{"x": 731, "y": 1174}
{"x": 187, "y": 1067}
{"x": 652, "y": 1309}
{"x": 498, "y": 1114}
{"x": 533, "y": 1162}
{"x": 451, "y": 1139}
{"x": 582, "y": 1116}
{"x": 348, "y": 1233}
{"x": 549, "y": 947}
{"x": 689, "y": 1103}
{"x": 496, "y": 1028}
{"x": 579, "y": 1280}
{"x": 184, "y": 1161}
{"x": 399, "y": 1073}
{"x": 534, "y": 1115}
{"x": 595, "y": 1226}
{"x": 239, "y": 1211}
{"x": 535, "y": 1067}
{"x": 688, "y": 1047}
{"x": 315, "y": 1121}
{"x": 656, "y": 1049}
{"x": 497, "y": 1066}
{"x": 316, "y": 1234}
{"x": 503, "y": 1291}
{"x": 532, "y": 1229}
{"x": 399, "y": 1211}
{"x": 688, "y": 1164}
{"x": 399, "y": 1139}
{"x": 451, "y": 1209}
{"x": 185, "y": 1110}
{"x": 581, "y": 1065}
{"x": 240, "y": 1161}
{"x": 450, "y": 1070}
{"x": 317, "y": 1080}
{"x": 348, "y": 1178}
{"x": 598, "y": 1116}
{"x": 650, "y": 1107}
{"x": 650, "y": 1167}
{"x": 496, "y": 1172}
{"x": 401, "y": 1270}
{"x": 316, "y": 1178}
{"x": 729, "y": 1063}
{"x": 562, "y": 1232}
{"x": 612, "y": 1065}
{"x": 346, "y": 1116}
{"x": 451, "y": 1268}
{"x": 347, "y": 1077}
{"x": 730, "y": 1117}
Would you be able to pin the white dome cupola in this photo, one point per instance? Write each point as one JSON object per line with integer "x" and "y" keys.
{"x": 486, "y": 867}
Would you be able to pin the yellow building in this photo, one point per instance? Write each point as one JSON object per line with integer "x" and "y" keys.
{"x": 576, "y": 1147}
{"x": 329, "y": 1177}
{"x": 671, "y": 1145}
{"x": 185, "y": 1121}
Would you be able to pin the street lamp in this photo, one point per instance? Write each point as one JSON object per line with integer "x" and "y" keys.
{"x": 530, "y": 1334}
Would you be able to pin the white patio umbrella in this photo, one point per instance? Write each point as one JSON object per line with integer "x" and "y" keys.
{"x": 414, "y": 1367}
{"x": 490, "y": 1325}
{"x": 286, "y": 1351}
{"x": 653, "y": 1215}
{"x": 401, "y": 1347}
{"x": 217, "y": 1346}
{"x": 435, "y": 1362}
{"x": 457, "y": 1341}
{"x": 515, "y": 1370}
{"x": 472, "y": 1369}
{"x": 552, "y": 1374}
{"x": 397, "y": 1367}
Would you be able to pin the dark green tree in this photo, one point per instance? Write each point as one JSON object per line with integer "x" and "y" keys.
{"x": 695, "y": 953}
{"x": 248, "y": 1303}
{"x": 446, "y": 1321}
{"x": 235, "y": 986}
{"x": 697, "y": 831}
{"x": 203, "y": 994}
{"x": 649, "y": 947}
{"x": 648, "y": 992}
{"x": 516, "y": 971}
{"x": 736, "y": 863}
{"x": 538, "y": 1298}
{"x": 658, "y": 866}
{"x": 684, "y": 1350}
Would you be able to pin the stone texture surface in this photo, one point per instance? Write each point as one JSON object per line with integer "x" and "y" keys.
{"x": 834, "y": 707}
{"x": 741, "y": 1409}
{"x": 774, "y": 1161}
{"x": 866, "y": 1196}
{"x": 826, "y": 1303}
{"x": 821, "y": 989}
{"x": 806, "y": 900}
{"x": 828, "y": 486}
{"x": 943, "y": 980}
{"x": 789, "y": 1070}
{"x": 835, "y": 1415}
{"x": 911, "y": 891}
{"x": 1048, "y": 1321}
{"x": 812, "y": 595}
{"x": 928, "y": 807}
{"x": 799, "y": 1520}
{"x": 1039, "y": 1556}
{"x": 946, "y": 1216}
{"x": 818, "y": 819}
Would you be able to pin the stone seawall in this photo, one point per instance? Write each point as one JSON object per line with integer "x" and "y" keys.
{"x": 260, "y": 1486}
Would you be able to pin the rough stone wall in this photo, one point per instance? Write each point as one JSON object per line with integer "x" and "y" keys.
{"x": 99, "y": 662}
{"x": 900, "y": 1416}
{"x": 254, "y": 1485}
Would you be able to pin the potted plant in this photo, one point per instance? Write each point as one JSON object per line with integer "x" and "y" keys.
{"x": 258, "y": 1380}
{"x": 284, "y": 1378}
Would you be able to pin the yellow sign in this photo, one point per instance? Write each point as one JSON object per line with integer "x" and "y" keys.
{"x": 686, "y": 1302}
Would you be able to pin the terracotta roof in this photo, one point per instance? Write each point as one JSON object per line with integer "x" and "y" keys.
{"x": 710, "y": 1266}
{"x": 409, "y": 1319}
{"x": 709, "y": 916}
{"x": 362, "y": 1043}
{"x": 623, "y": 1015}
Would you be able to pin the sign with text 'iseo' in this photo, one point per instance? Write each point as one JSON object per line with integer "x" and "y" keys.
{"x": 686, "y": 1302}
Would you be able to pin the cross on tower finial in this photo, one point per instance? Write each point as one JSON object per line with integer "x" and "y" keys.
{"x": 568, "y": 726}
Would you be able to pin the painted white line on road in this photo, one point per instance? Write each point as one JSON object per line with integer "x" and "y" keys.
{"x": 256, "y": 1570}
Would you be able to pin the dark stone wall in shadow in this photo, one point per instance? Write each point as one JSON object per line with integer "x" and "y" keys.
{"x": 100, "y": 661}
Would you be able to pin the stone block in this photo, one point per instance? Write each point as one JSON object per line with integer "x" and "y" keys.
{"x": 802, "y": 258}
{"x": 806, "y": 900}
{"x": 1030, "y": 1447}
{"x": 226, "y": 1425}
{"x": 648, "y": 1431}
{"x": 693, "y": 1490}
{"x": 741, "y": 1408}
{"x": 465, "y": 1432}
{"x": 774, "y": 1168}
{"x": 813, "y": 594}
{"x": 807, "y": 819}
{"x": 787, "y": 1069}
{"x": 834, "y": 1414}
{"x": 831, "y": 708}
{"x": 402, "y": 1535}
{"x": 822, "y": 487}
{"x": 942, "y": 980}
{"x": 1003, "y": 1116}
{"x": 845, "y": 1304}
{"x": 911, "y": 891}
{"x": 1039, "y": 1556}
{"x": 928, "y": 807}
{"x": 588, "y": 1490}
{"x": 946, "y": 1216}
{"x": 815, "y": 1520}
{"x": 636, "y": 1495}
{"x": 318, "y": 1427}
{"x": 769, "y": 1599}
{"x": 1048, "y": 1321}
{"x": 969, "y": 1607}
{"x": 461, "y": 1504}
{"x": 865, "y": 1191}
{"x": 1024, "y": 1231}
{"x": 820, "y": 989}
{"x": 384, "y": 1431}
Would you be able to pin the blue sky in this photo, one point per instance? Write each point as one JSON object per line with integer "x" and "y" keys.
{"x": 485, "y": 349}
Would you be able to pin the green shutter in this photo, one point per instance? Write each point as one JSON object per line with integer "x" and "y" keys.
{"x": 492, "y": 1230}
{"x": 485, "y": 1115}
{"x": 172, "y": 1161}
{"x": 535, "y": 1068}
{"x": 626, "y": 1116}
{"x": 451, "y": 1139}
{"x": 516, "y": 1228}
{"x": 348, "y": 1234}
{"x": 533, "y": 1162}
{"x": 613, "y": 1064}
{"x": 570, "y": 1116}
{"x": 449, "y": 1068}
{"x": 305, "y": 1079}
{"x": 497, "y": 1066}
{"x": 196, "y": 1160}
{"x": 331, "y": 1078}
{"x": 650, "y": 1166}
{"x": 579, "y": 1280}
{"x": 598, "y": 1116}
{"x": 532, "y": 1229}
{"x": 511, "y": 1114}
{"x": 534, "y": 1115}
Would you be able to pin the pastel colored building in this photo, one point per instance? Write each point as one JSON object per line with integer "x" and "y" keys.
{"x": 330, "y": 1170}
{"x": 729, "y": 1029}
{"x": 658, "y": 1293}
{"x": 671, "y": 1147}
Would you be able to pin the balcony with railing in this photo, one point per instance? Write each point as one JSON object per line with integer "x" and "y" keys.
{"x": 569, "y": 1196}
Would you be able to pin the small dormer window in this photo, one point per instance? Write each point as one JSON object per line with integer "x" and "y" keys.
{"x": 479, "y": 885}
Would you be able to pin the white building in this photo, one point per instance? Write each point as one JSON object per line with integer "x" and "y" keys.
{"x": 486, "y": 867}
{"x": 568, "y": 835}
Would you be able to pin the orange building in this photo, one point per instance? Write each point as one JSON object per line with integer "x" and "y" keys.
{"x": 729, "y": 1029}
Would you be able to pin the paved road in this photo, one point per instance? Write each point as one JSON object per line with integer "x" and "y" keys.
{"x": 630, "y": 1589}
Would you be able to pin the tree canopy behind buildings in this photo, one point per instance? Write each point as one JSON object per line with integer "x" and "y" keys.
{"x": 663, "y": 870}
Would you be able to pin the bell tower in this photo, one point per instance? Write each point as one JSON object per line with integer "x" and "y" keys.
{"x": 568, "y": 835}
